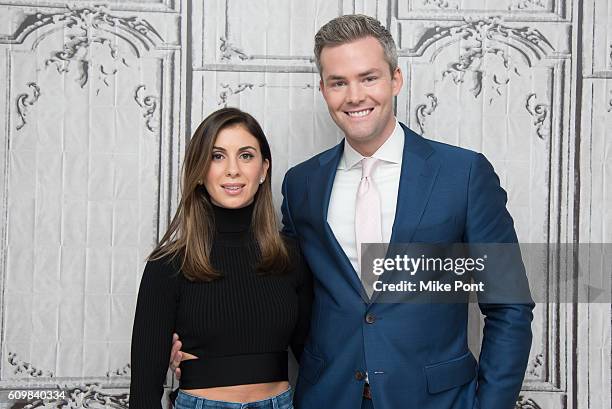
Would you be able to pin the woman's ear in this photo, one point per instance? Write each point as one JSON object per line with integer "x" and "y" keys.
{"x": 266, "y": 166}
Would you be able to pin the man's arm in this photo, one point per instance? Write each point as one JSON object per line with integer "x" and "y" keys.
{"x": 288, "y": 227}
{"x": 176, "y": 356}
{"x": 507, "y": 330}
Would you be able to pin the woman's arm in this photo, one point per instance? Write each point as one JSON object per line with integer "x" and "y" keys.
{"x": 154, "y": 323}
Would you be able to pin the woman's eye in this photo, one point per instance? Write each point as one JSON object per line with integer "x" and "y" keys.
{"x": 217, "y": 156}
{"x": 247, "y": 156}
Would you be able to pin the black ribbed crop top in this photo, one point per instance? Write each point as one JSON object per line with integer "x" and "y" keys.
{"x": 238, "y": 325}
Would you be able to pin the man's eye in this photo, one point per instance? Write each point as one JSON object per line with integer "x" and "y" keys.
{"x": 338, "y": 84}
{"x": 370, "y": 79}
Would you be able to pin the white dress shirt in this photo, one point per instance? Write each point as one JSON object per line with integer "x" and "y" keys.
{"x": 386, "y": 176}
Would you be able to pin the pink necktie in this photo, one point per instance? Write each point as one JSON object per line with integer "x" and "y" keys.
{"x": 367, "y": 214}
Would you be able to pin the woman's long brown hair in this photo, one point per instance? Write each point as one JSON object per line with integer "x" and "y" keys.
{"x": 191, "y": 232}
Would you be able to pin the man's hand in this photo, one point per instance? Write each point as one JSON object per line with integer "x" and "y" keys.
{"x": 176, "y": 356}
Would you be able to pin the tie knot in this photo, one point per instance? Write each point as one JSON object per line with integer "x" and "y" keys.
{"x": 367, "y": 166}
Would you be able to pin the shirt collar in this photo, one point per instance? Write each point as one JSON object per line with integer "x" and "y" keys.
{"x": 391, "y": 151}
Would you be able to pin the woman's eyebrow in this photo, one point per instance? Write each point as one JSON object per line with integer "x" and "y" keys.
{"x": 244, "y": 148}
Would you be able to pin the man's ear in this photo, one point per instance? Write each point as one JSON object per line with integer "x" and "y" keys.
{"x": 397, "y": 81}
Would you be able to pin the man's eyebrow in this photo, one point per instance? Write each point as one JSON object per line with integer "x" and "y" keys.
{"x": 370, "y": 72}
{"x": 334, "y": 77}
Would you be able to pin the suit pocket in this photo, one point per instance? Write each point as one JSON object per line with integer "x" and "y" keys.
{"x": 450, "y": 374}
{"x": 311, "y": 366}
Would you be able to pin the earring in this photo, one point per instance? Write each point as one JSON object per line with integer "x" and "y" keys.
{"x": 261, "y": 180}
{"x": 199, "y": 181}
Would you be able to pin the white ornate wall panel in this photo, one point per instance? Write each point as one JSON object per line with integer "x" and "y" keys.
{"x": 100, "y": 99}
{"x": 90, "y": 145}
{"x": 594, "y": 323}
{"x": 499, "y": 84}
{"x": 597, "y": 38}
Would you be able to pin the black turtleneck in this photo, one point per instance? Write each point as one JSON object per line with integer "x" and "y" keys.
{"x": 238, "y": 325}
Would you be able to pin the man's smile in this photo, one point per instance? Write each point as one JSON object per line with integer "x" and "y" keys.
{"x": 359, "y": 114}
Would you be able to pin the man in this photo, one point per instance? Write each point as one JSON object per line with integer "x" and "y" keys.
{"x": 385, "y": 183}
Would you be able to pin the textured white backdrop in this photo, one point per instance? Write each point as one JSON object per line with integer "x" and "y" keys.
{"x": 100, "y": 99}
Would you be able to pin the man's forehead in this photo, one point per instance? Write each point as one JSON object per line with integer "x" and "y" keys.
{"x": 357, "y": 73}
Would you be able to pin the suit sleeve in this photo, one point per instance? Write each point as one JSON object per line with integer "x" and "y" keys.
{"x": 288, "y": 226}
{"x": 507, "y": 326}
{"x": 154, "y": 323}
{"x": 305, "y": 295}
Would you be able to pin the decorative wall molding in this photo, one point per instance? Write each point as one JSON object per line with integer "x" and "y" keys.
{"x": 482, "y": 38}
{"x": 526, "y": 5}
{"x": 84, "y": 27}
{"x": 136, "y": 30}
{"x": 71, "y": 53}
{"x": 149, "y": 105}
{"x": 138, "y": 6}
{"x": 26, "y": 368}
{"x": 232, "y": 51}
{"x": 89, "y": 395}
{"x": 228, "y": 90}
{"x": 229, "y": 51}
{"x": 425, "y": 110}
{"x": 530, "y": 43}
{"x": 524, "y": 403}
{"x": 535, "y": 366}
{"x": 540, "y": 112}
{"x": 441, "y": 4}
{"x": 126, "y": 370}
{"x": 24, "y": 101}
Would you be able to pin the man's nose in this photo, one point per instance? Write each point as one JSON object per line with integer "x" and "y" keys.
{"x": 355, "y": 94}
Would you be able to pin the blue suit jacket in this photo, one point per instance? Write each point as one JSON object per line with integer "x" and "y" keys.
{"x": 416, "y": 355}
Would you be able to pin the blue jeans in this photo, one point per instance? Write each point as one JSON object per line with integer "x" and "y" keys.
{"x": 187, "y": 401}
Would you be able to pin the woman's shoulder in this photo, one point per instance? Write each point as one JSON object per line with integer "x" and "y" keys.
{"x": 167, "y": 266}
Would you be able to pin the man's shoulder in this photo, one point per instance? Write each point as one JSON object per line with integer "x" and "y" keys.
{"x": 447, "y": 151}
{"x": 307, "y": 166}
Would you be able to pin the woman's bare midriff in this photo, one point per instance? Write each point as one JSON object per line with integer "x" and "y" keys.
{"x": 241, "y": 393}
{"x": 238, "y": 393}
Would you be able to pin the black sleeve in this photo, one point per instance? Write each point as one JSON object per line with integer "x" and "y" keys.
{"x": 305, "y": 296}
{"x": 154, "y": 323}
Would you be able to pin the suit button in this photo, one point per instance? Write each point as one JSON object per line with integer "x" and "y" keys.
{"x": 360, "y": 376}
{"x": 370, "y": 318}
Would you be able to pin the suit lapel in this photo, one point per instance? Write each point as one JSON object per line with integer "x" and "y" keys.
{"x": 320, "y": 186}
{"x": 418, "y": 175}
{"x": 417, "y": 178}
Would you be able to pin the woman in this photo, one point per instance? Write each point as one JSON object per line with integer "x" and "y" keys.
{"x": 223, "y": 278}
